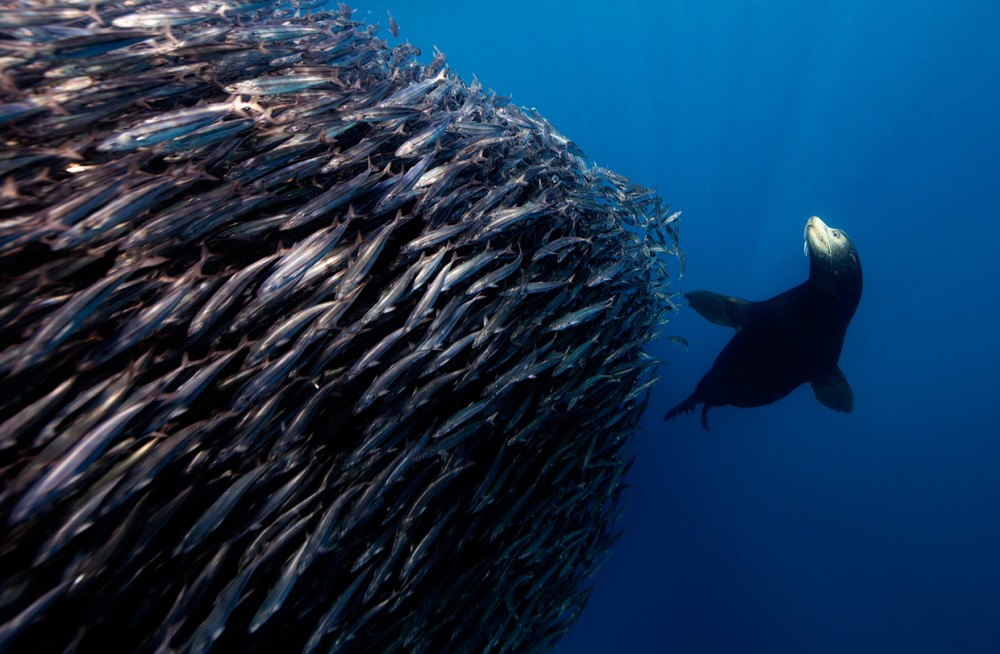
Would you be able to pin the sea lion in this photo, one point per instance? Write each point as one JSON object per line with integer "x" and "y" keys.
{"x": 793, "y": 338}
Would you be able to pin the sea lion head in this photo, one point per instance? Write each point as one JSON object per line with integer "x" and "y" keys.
{"x": 834, "y": 265}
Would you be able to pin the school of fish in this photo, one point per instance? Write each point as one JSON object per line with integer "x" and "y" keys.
{"x": 304, "y": 345}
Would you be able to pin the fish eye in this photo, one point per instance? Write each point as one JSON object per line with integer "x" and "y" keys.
{"x": 835, "y": 233}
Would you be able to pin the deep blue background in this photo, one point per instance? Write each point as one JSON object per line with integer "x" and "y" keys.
{"x": 791, "y": 528}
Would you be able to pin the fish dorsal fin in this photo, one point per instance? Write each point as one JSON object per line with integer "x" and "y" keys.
{"x": 833, "y": 391}
{"x": 720, "y": 309}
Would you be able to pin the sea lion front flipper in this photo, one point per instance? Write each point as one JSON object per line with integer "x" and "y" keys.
{"x": 833, "y": 391}
{"x": 720, "y": 309}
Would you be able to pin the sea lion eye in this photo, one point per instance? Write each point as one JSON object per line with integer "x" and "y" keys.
{"x": 835, "y": 233}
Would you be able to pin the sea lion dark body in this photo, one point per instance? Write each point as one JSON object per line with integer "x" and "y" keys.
{"x": 793, "y": 338}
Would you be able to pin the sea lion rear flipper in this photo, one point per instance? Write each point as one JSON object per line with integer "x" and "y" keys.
{"x": 720, "y": 309}
{"x": 833, "y": 391}
{"x": 687, "y": 405}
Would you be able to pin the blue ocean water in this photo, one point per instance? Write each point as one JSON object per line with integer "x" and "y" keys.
{"x": 791, "y": 528}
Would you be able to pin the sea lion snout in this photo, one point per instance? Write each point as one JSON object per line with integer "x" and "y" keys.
{"x": 817, "y": 236}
